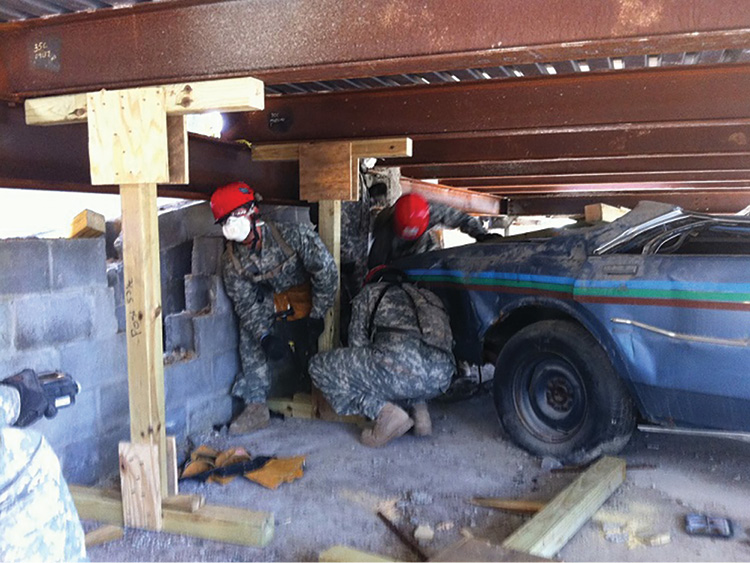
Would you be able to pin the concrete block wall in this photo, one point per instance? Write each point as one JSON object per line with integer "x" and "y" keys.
{"x": 62, "y": 307}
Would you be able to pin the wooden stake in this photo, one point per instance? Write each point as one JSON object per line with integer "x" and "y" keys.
{"x": 172, "y": 470}
{"x": 329, "y": 223}
{"x": 144, "y": 320}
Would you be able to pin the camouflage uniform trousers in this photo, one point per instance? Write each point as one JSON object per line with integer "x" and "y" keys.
{"x": 253, "y": 383}
{"x": 396, "y": 368}
{"x": 38, "y": 520}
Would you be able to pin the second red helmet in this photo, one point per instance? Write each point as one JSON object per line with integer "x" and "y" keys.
{"x": 230, "y": 197}
{"x": 411, "y": 216}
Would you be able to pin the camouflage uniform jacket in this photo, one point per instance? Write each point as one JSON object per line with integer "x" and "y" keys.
{"x": 38, "y": 520}
{"x": 399, "y": 351}
{"x": 276, "y": 269}
{"x": 400, "y": 309}
{"x": 386, "y": 246}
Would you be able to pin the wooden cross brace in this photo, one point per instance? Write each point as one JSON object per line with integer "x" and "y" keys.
{"x": 138, "y": 139}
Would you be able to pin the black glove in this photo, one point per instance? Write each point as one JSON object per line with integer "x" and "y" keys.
{"x": 489, "y": 237}
{"x": 274, "y": 347}
{"x": 34, "y": 402}
{"x": 315, "y": 326}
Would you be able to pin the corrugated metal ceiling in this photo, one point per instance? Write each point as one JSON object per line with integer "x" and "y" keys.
{"x": 12, "y": 10}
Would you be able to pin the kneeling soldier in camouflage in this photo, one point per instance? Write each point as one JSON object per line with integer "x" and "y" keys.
{"x": 400, "y": 353}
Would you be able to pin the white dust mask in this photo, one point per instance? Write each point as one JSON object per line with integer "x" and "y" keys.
{"x": 236, "y": 228}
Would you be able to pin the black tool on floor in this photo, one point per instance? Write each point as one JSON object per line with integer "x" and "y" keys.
{"x": 705, "y": 525}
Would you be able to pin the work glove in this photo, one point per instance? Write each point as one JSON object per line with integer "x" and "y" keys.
{"x": 34, "y": 402}
{"x": 274, "y": 347}
{"x": 489, "y": 237}
{"x": 315, "y": 328}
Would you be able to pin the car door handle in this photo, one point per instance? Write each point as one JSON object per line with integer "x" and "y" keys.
{"x": 621, "y": 269}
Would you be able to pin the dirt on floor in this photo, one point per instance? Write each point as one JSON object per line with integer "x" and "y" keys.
{"x": 429, "y": 481}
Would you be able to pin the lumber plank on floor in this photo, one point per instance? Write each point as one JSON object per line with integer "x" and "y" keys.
{"x": 547, "y": 532}
{"x": 475, "y": 549}
{"x": 103, "y": 534}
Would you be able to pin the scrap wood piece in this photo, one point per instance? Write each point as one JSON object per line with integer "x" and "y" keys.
{"x": 511, "y": 505}
{"x": 603, "y": 212}
{"x": 475, "y": 549}
{"x": 342, "y": 553}
{"x": 547, "y": 532}
{"x": 186, "y": 503}
{"x": 103, "y": 534}
{"x": 88, "y": 224}
{"x": 140, "y": 484}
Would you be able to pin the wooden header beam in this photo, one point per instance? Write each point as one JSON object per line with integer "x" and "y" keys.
{"x": 362, "y": 148}
{"x": 233, "y": 94}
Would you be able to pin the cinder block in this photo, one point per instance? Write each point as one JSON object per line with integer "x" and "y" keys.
{"x": 104, "y": 321}
{"x": 78, "y": 262}
{"x": 47, "y": 319}
{"x": 121, "y": 317}
{"x": 175, "y": 265}
{"x": 186, "y": 379}
{"x": 114, "y": 405}
{"x": 74, "y": 422}
{"x": 173, "y": 229}
{"x": 178, "y": 332}
{"x": 226, "y": 366}
{"x": 215, "y": 333}
{"x": 197, "y": 292}
{"x": 40, "y": 359}
{"x": 6, "y": 325}
{"x": 176, "y": 424}
{"x": 91, "y": 459}
{"x": 94, "y": 363}
{"x": 203, "y": 414}
{"x": 220, "y": 302}
{"x": 116, "y": 280}
{"x": 24, "y": 266}
{"x": 207, "y": 253}
{"x": 199, "y": 221}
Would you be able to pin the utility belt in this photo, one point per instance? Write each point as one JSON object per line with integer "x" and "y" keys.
{"x": 295, "y": 303}
{"x": 387, "y": 332}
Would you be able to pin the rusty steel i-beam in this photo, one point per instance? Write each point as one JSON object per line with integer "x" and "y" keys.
{"x": 562, "y": 103}
{"x": 292, "y": 42}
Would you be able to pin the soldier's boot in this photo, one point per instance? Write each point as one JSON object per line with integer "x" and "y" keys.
{"x": 391, "y": 423}
{"x": 254, "y": 417}
{"x": 422, "y": 422}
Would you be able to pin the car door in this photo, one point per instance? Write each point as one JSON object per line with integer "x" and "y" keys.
{"x": 679, "y": 315}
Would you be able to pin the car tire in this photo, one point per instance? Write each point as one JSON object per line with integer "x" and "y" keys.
{"x": 557, "y": 394}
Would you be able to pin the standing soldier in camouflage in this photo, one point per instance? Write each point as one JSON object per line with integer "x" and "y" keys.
{"x": 271, "y": 272}
{"x": 400, "y": 352}
{"x": 38, "y": 520}
{"x": 405, "y": 228}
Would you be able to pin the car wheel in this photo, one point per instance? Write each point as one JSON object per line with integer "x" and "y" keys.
{"x": 558, "y": 395}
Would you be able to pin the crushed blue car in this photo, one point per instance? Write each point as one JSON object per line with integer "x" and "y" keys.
{"x": 589, "y": 329}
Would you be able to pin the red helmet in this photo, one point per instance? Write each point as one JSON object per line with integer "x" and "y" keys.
{"x": 411, "y": 216}
{"x": 228, "y": 198}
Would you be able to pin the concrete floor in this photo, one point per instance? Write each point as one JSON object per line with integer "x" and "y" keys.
{"x": 429, "y": 481}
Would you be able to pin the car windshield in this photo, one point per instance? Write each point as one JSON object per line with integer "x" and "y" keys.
{"x": 659, "y": 228}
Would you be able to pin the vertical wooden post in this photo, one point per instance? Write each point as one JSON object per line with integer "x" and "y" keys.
{"x": 329, "y": 225}
{"x": 144, "y": 319}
